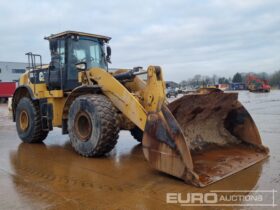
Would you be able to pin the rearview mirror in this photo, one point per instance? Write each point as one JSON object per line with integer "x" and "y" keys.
{"x": 82, "y": 66}
{"x": 108, "y": 52}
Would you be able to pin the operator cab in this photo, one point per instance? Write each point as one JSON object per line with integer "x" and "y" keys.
{"x": 69, "y": 48}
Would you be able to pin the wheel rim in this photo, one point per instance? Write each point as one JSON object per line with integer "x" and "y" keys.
{"x": 23, "y": 120}
{"x": 83, "y": 126}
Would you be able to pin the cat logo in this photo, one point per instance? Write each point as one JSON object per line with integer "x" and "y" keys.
{"x": 41, "y": 77}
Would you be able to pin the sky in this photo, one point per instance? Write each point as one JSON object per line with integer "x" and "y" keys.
{"x": 184, "y": 37}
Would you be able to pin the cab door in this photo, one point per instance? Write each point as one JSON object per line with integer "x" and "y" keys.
{"x": 71, "y": 73}
{"x": 56, "y": 73}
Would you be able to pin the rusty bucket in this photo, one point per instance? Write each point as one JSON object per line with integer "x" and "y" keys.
{"x": 202, "y": 137}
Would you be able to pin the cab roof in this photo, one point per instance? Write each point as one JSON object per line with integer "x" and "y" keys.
{"x": 66, "y": 33}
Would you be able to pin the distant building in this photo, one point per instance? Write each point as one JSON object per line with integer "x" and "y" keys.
{"x": 237, "y": 86}
{"x": 11, "y": 71}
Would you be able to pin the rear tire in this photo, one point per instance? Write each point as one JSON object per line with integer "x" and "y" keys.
{"x": 93, "y": 125}
{"x": 28, "y": 122}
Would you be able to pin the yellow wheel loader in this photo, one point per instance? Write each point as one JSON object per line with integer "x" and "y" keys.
{"x": 200, "y": 138}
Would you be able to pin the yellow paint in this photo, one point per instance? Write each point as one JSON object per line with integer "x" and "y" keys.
{"x": 23, "y": 120}
{"x": 23, "y": 79}
{"x": 54, "y": 97}
{"x": 39, "y": 90}
{"x": 120, "y": 96}
{"x": 154, "y": 91}
{"x": 135, "y": 109}
{"x": 58, "y": 104}
{"x": 134, "y": 99}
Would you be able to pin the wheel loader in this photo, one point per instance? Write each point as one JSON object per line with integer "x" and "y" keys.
{"x": 200, "y": 138}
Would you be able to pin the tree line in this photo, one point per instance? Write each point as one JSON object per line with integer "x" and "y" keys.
{"x": 201, "y": 80}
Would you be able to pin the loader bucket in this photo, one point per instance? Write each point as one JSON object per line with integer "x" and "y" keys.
{"x": 202, "y": 138}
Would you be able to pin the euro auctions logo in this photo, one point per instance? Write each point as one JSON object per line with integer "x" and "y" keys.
{"x": 192, "y": 198}
{"x": 224, "y": 198}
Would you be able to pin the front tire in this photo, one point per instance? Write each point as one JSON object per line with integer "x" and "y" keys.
{"x": 28, "y": 122}
{"x": 137, "y": 134}
{"x": 93, "y": 125}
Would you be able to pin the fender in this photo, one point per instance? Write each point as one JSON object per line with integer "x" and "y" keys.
{"x": 21, "y": 91}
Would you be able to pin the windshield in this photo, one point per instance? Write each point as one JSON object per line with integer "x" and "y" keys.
{"x": 89, "y": 51}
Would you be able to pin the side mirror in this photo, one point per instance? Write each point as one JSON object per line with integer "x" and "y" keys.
{"x": 82, "y": 66}
{"x": 108, "y": 52}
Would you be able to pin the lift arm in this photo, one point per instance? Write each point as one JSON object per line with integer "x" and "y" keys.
{"x": 126, "y": 102}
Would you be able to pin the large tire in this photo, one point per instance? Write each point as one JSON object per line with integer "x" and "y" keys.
{"x": 137, "y": 134}
{"x": 93, "y": 125}
{"x": 28, "y": 122}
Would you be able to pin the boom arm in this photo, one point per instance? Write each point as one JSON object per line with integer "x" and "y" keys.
{"x": 125, "y": 101}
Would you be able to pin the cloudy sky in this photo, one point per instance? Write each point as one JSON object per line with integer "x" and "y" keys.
{"x": 185, "y": 37}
